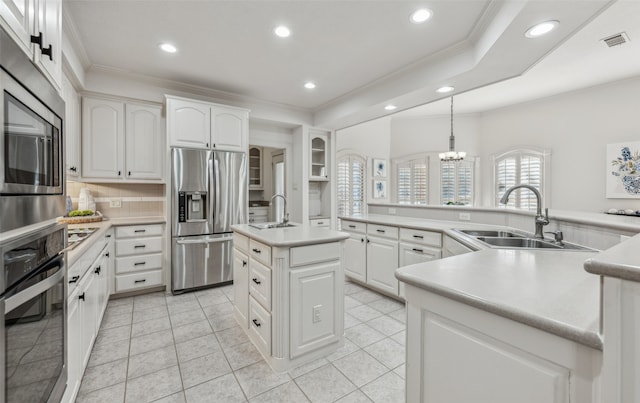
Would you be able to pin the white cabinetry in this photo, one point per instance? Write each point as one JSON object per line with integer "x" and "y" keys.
{"x": 86, "y": 305}
{"x": 194, "y": 124}
{"x": 36, "y": 26}
{"x": 71, "y": 128}
{"x": 382, "y": 261}
{"x": 355, "y": 250}
{"x": 138, "y": 257}
{"x": 121, "y": 140}
{"x": 319, "y": 170}
{"x": 459, "y": 353}
{"x": 289, "y": 301}
{"x": 256, "y": 172}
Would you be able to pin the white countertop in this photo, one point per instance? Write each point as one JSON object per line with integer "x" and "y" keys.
{"x": 621, "y": 261}
{"x": 291, "y": 236}
{"x": 545, "y": 289}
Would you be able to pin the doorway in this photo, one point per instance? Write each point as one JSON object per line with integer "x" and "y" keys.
{"x": 279, "y": 183}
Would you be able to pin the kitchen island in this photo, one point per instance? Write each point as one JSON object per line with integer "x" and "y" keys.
{"x": 288, "y": 291}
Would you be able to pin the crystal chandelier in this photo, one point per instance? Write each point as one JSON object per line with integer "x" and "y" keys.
{"x": 452, "y": 154}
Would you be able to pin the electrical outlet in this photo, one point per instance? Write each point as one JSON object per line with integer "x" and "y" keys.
{"x": 465, "y": 216}
{"x": 316, "y": 313}
{"x": 392, "y": 210}
{"x": 116, "y": 203}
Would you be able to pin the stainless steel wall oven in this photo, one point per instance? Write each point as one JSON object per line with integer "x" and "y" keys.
{"x": 33, "y": 309}
{"x": 31, "y": 142}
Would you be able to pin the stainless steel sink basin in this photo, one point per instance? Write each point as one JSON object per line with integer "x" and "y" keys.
{"x": 269, "y": 225}
{"x": 518, "y": 243}
{"x": 500, "y": 234}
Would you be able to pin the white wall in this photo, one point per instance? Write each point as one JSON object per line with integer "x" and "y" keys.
{"x": 370, "y": 139}
{"x": 576, "y": 127}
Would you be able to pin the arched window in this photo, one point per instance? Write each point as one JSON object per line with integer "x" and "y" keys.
{"x": 411, "y": 180}
{"x": 456, "y": 182}
{"x": 522, "y": 166}
{"x": 351, "y": 184}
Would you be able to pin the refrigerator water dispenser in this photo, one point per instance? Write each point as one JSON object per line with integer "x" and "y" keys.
{"x": 192, "y": 206}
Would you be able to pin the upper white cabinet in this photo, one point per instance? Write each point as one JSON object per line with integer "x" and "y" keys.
{"x": 196, "y": 124}
{"x": 71, "y": 128}
{"x": 255, "y": 168}
{"x": 36, "y": 25}
{"x": 319, "y": 170}
{"x": 121, "y": 140}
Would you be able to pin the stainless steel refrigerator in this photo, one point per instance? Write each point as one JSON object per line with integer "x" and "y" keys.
{"x": 209, "y": 194}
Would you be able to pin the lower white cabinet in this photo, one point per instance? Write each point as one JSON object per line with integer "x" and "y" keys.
{"x": 382, "y": 261}
{"x": 355, "y": 257}
{"x": 411, "y": 253}
{"x": 240, "y": 285}
{"x": 86, "y": 306}
{"x": 458, "y": 353}
{"x": 139, "y": 257}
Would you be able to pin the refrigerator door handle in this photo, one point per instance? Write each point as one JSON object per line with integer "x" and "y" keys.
{"x": 202, "y": 241}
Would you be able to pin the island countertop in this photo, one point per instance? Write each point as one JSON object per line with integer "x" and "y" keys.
{"x": 621, "y": 261}
{"x": 297, "y": 235}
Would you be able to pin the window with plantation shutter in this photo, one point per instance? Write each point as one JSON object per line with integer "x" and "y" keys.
{"x": 411, "y": 181}
{"x": 520, "y": 167}
{"x": 351, "y": 184}
{"x": 456, "y": 182}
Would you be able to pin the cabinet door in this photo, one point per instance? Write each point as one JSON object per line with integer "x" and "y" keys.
{"x": 49, "y": 25}
{"x": 72, "y": 128}
{"x": 382, "y": 260}
{"x": 87, "y": 305}
{"x": 144, "y": 145}
{"x": 189, "y": 123}
{"x": 355, "y": 257}
{"x": 18, "y": 18}
{"x": 412, "y": 254}
{"x": 100, "y": 271}
{"x": 241, "y": 286}
{"x": 316, "y": 310}
{"x": 228, "y": 129}
{"x": 74, "y": 352}
{"x": 102, "y": 138}
{"x": 255, "y": 168}
{"x": 319, "y": 152}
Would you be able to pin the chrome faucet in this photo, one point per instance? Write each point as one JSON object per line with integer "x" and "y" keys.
{"x": 285, "y": 215}
{"x": 541, "y": 220}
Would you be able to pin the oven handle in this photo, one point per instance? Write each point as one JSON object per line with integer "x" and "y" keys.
{"x": 14, "y": 301}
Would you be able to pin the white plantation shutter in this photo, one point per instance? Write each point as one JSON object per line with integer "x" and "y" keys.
{"x": 411, "y": 181}
{"x": 456, "y": 182}
{"x": 515, "y": 168}
{"x": 351, "y": 180}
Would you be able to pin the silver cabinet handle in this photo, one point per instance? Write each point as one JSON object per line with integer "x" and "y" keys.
{"x": 201, "y": 241}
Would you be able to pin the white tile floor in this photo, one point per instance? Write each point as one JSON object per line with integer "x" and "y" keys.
{"x": 188, "y": 348}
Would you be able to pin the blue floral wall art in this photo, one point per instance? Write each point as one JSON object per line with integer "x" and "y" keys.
{"x": 623, "y": 170}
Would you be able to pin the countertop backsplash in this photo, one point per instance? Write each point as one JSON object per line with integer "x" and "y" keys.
{"x": 136, "y": 200}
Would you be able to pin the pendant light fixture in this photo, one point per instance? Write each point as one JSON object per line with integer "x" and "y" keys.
{"x": 452, "y": 154}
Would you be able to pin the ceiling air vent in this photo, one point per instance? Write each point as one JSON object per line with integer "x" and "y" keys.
{"x": 617, "y": 39}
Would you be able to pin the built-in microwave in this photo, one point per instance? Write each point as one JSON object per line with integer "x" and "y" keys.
{"x": 32, "y": 181}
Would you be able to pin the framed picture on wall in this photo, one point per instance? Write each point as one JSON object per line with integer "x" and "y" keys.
{"x": 379, "y": 168}
{"x": 379, "y": 189}
{"x": 623, "y": 170}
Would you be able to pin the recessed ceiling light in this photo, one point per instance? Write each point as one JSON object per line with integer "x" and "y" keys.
{"x": 282, "y": 31}
{"x": 445, "y": 89}
{"x": 390, "y": 107}
{"x": 541, "y": 29}
{"x": 420, "y": 16}
{"x": 167, "y": 47}
{"x": 309, "y": 85}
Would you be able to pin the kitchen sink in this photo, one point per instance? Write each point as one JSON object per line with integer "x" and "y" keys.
{"x": 500, "y": 234}
{"x": 518, "y": 243}
{"x": 270, "y": 225}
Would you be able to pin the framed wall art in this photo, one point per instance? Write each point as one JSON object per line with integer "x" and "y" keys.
{"x": 379, "y": 189}
{"x": 623, "y": 170}
{"x": 379, "y": 168}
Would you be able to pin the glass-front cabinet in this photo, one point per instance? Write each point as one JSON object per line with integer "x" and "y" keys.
{"x": 255, "y": 168}
{"x": 319, "y": 152}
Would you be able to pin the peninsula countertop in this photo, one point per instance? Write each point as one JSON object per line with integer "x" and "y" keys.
{"x": 297, "y": 235}
{"x": 545, "y": 289}
{"x": 621, "y": 261}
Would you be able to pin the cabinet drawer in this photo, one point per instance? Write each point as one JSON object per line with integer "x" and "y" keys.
{"x": 421, "y": 236}
{"x": 260, "y": 326}
{"x": 353, "y": 226}
{"x": 138, "y": 231}
{"x": 125, "y": 282}
{"x": 320, "y": 222}
{"x": 260, "y": 283}
{"x": 141, "y": 246}
{"x": 241, "y": 242}
{"x": 137, "y": 263}
{"x": 260, "y": 252}
{"x": 303, "y": 255}
{"x": 383, "y": 231}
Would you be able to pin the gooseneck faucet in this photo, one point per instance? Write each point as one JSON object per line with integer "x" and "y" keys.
{"x": 285, "y": 215}
{"x": 541, "y": 220}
